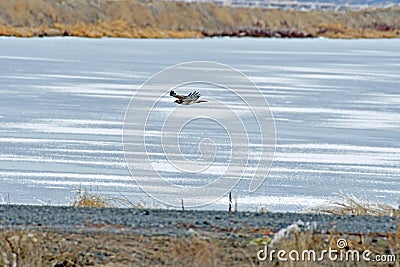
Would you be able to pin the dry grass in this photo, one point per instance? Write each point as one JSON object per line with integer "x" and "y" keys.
{"x": 121, "y": 29}
{"x": 198, "y": 247}
{"x": 49, "y": 248}
{"x": 92, "y": 200}
{"x": 165, "y": 19}
{"x": 211, "y": 248}
{"x": 88, "y": 198}
{"x": 378, "y": 244}
{"x": 350, "y": 205}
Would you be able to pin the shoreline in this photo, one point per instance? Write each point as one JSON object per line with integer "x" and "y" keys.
{"x": 67, "y": 236}
{"x": 55, "y": 217}
{"x": 170, "y": 34}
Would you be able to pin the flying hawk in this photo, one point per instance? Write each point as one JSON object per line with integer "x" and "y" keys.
{"x": 189, "y": 99}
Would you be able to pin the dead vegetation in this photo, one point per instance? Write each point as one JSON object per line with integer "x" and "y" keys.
{"x": 90, "y": 199}
{"x": 379, "y": 244}
{"x": 198, "y": 247}
{"x": 85, "y": 198}
{"x": 44, "y": 247}
{"x": 164, "y": 19}
{"x": 350, "y": 205}
{"x": 49, "y": 248}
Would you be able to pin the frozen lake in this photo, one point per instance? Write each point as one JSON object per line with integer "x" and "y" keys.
{"x": 336, "y": 105}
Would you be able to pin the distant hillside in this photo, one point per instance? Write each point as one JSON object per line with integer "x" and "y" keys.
{"x": 162, "y": 19}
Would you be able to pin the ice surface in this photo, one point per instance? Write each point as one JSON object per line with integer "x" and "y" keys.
{"x": 335, "y": 103}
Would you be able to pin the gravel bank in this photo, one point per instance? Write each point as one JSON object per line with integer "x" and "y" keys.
{"x": 161, "y": 222}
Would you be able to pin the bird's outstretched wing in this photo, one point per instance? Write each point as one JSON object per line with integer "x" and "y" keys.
{"x": 193, "y": 95}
